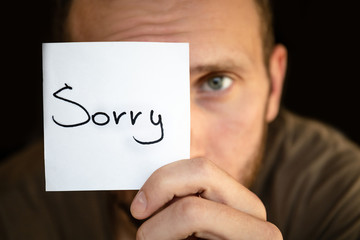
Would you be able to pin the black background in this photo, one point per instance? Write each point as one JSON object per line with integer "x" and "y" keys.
{"x": 322, "y": 78}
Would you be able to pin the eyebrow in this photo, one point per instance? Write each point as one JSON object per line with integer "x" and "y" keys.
{"x": 225, "y": 65}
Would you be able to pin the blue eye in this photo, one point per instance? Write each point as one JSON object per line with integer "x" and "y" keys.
{"x": 216, "y": 83}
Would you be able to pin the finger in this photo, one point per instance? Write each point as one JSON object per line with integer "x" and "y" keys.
{"x": 205, "y": 219}
{"x": 189, "y": 177}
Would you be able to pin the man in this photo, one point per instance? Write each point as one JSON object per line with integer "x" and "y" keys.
{"x": 307, "y": 179}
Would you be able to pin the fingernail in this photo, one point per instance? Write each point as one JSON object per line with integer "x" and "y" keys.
{"x": 139, "y": 204}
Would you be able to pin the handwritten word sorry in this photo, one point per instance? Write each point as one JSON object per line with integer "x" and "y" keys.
{"x": 106, "y": 118}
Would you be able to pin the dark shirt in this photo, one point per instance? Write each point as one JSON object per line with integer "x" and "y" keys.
{"x": 310, "y": 180}
{"x": 309, "y": 183}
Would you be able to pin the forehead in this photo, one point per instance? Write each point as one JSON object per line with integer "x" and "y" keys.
{"x": 212, "y": 27}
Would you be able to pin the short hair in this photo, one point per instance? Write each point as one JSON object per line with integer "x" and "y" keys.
{"x": 264, "y": 10}
{"x": 61, "y": 10}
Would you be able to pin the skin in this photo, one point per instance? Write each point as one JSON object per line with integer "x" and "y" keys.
{"x": 228, "y": 121}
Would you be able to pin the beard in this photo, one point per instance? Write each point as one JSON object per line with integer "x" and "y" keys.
{"x": 255, "y": 161}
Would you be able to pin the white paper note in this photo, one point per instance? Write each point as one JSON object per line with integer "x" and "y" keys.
{"x": 114, "y": 112}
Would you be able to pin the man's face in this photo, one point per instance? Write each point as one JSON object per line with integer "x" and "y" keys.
{"x": 229, "y": 83}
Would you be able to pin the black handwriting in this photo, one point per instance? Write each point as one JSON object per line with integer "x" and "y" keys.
{"x": 105, "y": 118}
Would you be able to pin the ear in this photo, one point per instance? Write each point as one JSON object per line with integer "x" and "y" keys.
{"x": 277, "y": 70}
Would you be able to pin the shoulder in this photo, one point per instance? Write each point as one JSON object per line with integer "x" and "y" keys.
{"x": 27, "y": 211}
{"x": 315, "y": 143}
{"x": 22, "y": 168}
{"x": 313, "y": 172}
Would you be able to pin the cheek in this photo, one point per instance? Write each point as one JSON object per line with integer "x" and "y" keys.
{"x": 235, "y": 140}
{"x": 230, "y": 134}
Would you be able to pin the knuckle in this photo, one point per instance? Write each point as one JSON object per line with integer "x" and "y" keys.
{"x": 259, "y": 207}
{"x": 203, "y": 166}
{"x": 158, "y": 180}
{"x": 157, "y": 174}
{"x": 272, "y": 232}
{"x": 140, "y": 235}
{"x": 190, "y": 208}
{"x": 262, "y": 211}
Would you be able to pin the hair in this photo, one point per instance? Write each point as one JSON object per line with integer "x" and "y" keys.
{"x": 266, "y": 28}
{"x": 61, "y": 11}
{"x": 264, "y": 10}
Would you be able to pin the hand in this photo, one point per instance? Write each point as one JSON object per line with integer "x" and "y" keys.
{"x": 196, "y": 198}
